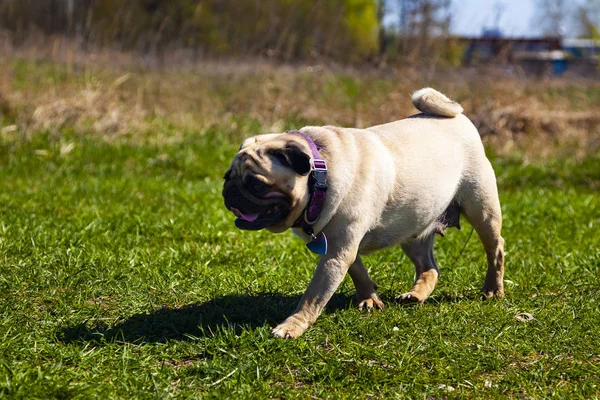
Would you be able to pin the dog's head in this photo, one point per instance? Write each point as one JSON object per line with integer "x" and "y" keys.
{"x": 266, "y": 185}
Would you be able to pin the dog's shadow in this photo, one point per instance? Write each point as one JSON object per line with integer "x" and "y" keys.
{"x": 237, "y": 312}
{"x": 196, "y": 320}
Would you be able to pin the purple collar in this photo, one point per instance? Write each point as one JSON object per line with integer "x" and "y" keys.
{"x": 318, "y": 189}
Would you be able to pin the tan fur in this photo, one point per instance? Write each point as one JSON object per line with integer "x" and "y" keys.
{"x": 253, "y": 157}
{"x": 432, "y": 102}
{"x": 388, "y": 184}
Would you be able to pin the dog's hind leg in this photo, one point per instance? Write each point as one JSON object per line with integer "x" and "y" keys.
{"x": 420, "y": 253}
{"x": 481, "y": 207}
{"x": 366, "y": 289}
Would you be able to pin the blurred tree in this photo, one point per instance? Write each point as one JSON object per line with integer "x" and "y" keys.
{"x": 286, "y": 29}
{"x": 587, "y": 19}
{"x": 424, "y": 27}
{"x": 362, "y": 24}
{"x": 551, "y": 16}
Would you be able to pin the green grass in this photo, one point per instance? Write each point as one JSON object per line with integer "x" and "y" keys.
{"x": 122, "y": 276}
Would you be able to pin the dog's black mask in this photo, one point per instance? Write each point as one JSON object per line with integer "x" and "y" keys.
{"x": 246, "y": 199}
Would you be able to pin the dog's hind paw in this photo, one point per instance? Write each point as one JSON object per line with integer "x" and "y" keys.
{"x": 409, "y": 298}
{"x": 372, "y": 302}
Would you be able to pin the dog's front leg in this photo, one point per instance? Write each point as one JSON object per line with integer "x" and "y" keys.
{"x": 366, "y": 289}
{"x": 329, "y": 274}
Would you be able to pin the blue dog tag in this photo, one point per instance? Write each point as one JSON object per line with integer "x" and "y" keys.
{"x": 319, "y": 244}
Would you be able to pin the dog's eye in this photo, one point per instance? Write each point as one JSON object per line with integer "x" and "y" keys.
{"x": 259, "y": 187}
{"x": 256, "y": 186}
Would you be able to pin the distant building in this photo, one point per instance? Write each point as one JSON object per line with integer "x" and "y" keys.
{"x": 498, "y": 49}
{"x": 581, "y": 48}
{"x": 536, "y": 55}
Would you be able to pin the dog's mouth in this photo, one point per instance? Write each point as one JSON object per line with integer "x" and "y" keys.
{"x": 245, "y": 217}
{"x": 252, "y": 212}
{"x": 257, "y": 220}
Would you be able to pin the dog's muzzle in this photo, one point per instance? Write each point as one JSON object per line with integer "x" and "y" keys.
{"x": 253, "y": 213}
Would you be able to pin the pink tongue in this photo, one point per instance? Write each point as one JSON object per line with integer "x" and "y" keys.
{"x": 245, "y": 217}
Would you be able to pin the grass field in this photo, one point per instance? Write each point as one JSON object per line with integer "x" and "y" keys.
{"x": 122, "y": 276}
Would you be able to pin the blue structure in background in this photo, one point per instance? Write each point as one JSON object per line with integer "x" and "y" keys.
{"x": 537, "y": 55}
{"x": 581, "y": 48}
{"x": 559, "y": 67}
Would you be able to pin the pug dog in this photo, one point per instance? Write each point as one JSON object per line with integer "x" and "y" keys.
{"x": 348, "y": 192}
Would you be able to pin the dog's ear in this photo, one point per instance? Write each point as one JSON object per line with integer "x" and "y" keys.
{"x": 294, "y": 157}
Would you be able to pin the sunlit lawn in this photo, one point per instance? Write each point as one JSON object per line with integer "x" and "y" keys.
{"x": 122, "y": 275}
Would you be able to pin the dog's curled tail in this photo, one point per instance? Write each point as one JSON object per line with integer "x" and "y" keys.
{"x": 430, "y": 101}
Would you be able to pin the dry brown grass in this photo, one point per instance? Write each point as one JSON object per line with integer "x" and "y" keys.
{"x": 125, "y": 99}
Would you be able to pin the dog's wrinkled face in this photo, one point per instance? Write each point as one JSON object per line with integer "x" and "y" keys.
{"x": 266, "y": 184}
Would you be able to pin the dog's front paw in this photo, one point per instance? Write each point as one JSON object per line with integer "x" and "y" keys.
{"x": 410, "y": 298}
{"x": 488, "y": 293}
{"x": 372, "y": 302}
{"x": 289, "y": 329}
